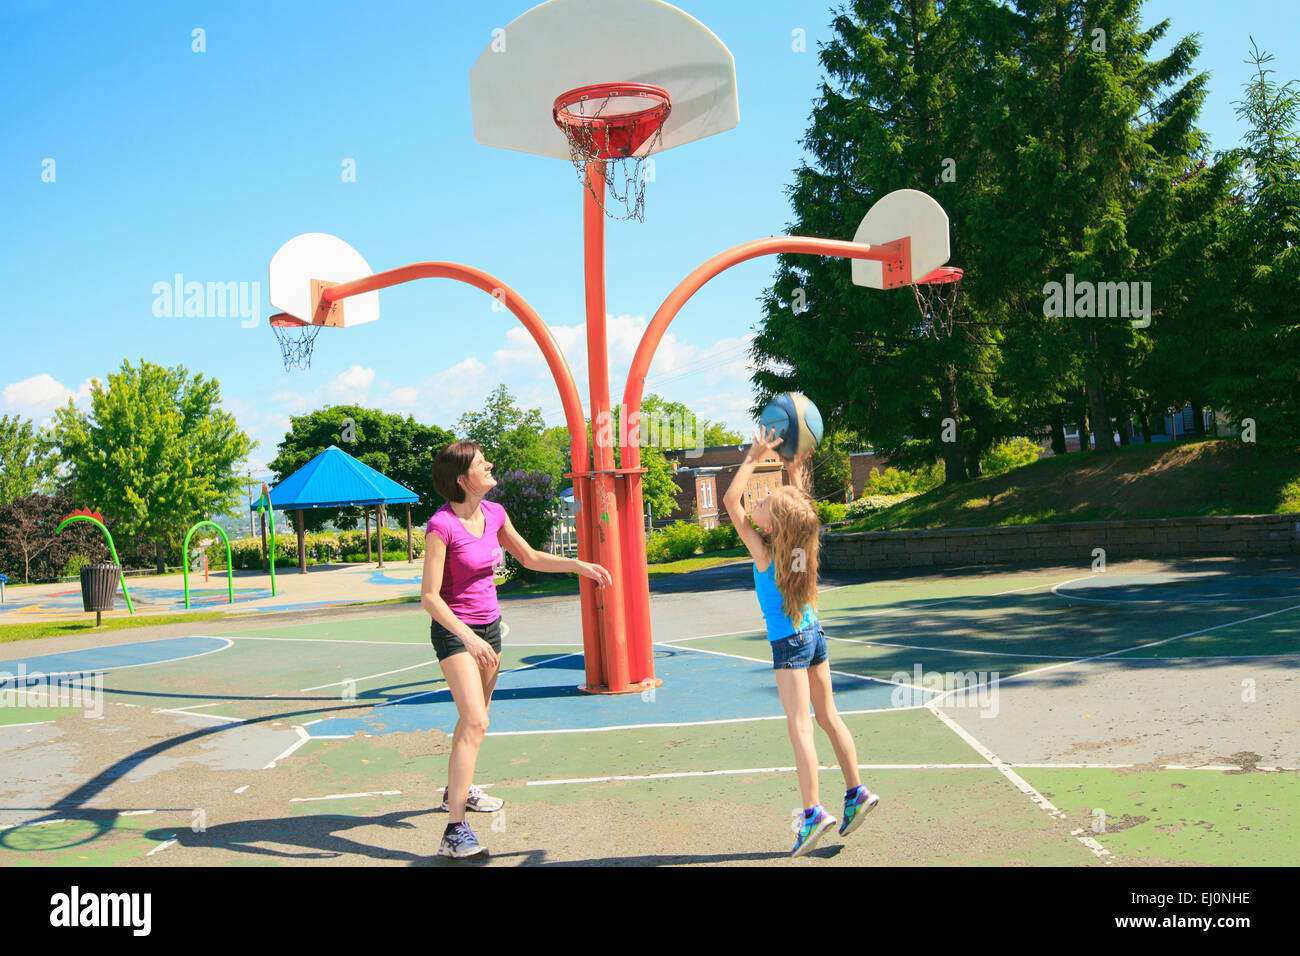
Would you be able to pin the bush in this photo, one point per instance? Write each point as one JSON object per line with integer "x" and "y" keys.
{"x": 75, "y": 563}
{"x": 870, "y": 504}
{"x": 681, "y": 540}
{"x": 829, "y": 511}
{"x": 896, "y": 481}
{"x": 529, "y": 499}
{"x": 1009, "y": 454}
{"x": 720, "y": 538}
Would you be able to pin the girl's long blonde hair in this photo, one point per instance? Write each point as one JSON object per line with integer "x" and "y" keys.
{"x": 793, "y": 546}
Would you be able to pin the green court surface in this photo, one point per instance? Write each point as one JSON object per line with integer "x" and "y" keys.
{"x": 1039, "y": 718}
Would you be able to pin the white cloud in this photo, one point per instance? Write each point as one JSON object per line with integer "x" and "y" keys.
{"x": 405, "y": 397}
{"x": 37, "y": 397}
{"x": 350, "y": 387}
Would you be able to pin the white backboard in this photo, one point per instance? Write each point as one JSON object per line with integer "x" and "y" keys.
{"x": 316, "y": 255}
{"x": 904, "y": 212}
{"x": 564, "y": 44}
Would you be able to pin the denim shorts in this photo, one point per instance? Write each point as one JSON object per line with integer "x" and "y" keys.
{"x": 802, "y": 650}
{"x": 446, "y": 643}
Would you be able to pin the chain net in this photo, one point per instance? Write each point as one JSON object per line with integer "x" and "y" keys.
{"x": 296, "y": 343}
{"x": 938, "y": 304}
{"x": 626, "y": 176}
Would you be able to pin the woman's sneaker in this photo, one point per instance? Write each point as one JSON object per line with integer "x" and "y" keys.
{"x": 459, "y": 841}
{"x": 856, "y": 809}
{"x": 477, "y": 801}
{"x": 809, "y": 830}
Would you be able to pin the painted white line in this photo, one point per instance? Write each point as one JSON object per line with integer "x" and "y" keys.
{"x": 1020, "y": 782}
{"x": 346, "y": 796}
{"x": 187, "y": 713}
{"x": 1160, "y": 600}
{"x": 759, "y": 660}
{"x": 136, "y": 813}
{"x": 749, "y": 770}
{"x": 303, "y": 737}
{"x": 357, "y": 680}
{"x": 701, "y": 637}
{"x": 952, "y": 650}
{"x": 92, "y": 671}
{"x": 1210, "y": 657}
{"x": 960, "y": 597}
{"x": 30, "y": 723}
{"x": 1033, "y": 672}
{"x": 242, "y": 789}
{"x": 330, "y": 640}
{"x": 447, "y": 690}
{"x": 160, "y": 847}
{"x": 33, "y": 823}
{"x": 689, "y": 723}
{"x": 185, "y": 710}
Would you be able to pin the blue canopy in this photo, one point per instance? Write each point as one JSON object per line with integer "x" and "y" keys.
{"x": 334, "y": 479}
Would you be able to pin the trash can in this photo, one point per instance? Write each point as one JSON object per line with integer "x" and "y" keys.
{"x": 99, "y": 588}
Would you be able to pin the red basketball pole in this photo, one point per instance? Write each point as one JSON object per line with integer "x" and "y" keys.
{"x": 606, "y": 498}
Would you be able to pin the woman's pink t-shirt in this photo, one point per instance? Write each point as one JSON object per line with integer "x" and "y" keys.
{"x": 467, "y": 584}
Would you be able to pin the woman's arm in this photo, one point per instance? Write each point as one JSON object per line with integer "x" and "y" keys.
{"x": 435, "y": 559}
{"x": 534, "y": 560}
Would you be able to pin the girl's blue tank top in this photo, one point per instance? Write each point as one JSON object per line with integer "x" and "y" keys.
{"x": 769, "y": 599}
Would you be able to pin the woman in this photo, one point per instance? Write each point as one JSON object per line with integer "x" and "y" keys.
{"x": 462, "y": 549}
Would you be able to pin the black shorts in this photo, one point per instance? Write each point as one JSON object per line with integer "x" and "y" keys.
{"x": 445, "y": 643}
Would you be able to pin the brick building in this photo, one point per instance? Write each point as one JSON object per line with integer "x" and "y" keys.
{"x": 703, "y": 480}
{"x": 860, "y": 466}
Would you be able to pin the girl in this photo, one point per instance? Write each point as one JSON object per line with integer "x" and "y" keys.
{"x": 462, "y": 547}
{"x": 784, "y": 550}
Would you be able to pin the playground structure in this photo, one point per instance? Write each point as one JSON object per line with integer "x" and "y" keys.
{"x": 95, "y": 518}
{"x": 555, "y": 90}
{"x": 185, "y": 562}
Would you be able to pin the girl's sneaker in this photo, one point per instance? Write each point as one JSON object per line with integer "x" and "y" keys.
{"x": 477, "y": 800}
{"x": 459, "y": 841}
{"x": 856, "y": 809}
{"x": 809, "y": 830}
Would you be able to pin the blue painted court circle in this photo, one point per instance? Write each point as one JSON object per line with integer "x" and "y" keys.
{"x": 699, "y": 687}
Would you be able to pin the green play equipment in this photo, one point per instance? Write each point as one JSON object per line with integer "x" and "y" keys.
{"x": 95, "y": 518}
{"x": 265, "y": 500}
{"x": 185, "y": 563}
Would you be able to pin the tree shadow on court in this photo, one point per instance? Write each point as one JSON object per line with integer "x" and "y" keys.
{"x": 316, "y": 835}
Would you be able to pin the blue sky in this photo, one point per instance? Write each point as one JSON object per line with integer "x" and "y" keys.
{"x": 168, "y": 161}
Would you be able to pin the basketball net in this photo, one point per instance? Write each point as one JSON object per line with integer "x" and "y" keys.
{"x": 609, "y": 123}
{"x": 936, "y": 298}
{"x": 296, "y": 339}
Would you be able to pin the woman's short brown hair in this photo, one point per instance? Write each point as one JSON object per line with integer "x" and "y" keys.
{"x": 452, "y": 462}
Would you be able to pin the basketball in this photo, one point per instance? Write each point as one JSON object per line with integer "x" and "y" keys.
{"x": 796, "y": 419}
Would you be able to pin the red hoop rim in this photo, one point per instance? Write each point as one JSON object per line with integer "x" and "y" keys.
{"x": 941, "y": 276}
{"x": 614, "y": 135}
{"x": 283, "y": 320}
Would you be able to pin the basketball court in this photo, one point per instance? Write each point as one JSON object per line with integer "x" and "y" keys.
{"x": 1141, "y": 716}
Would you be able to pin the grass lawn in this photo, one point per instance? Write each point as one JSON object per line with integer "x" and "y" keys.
{"x": 1141, "y": 481}
{"x": 27, "y": 632}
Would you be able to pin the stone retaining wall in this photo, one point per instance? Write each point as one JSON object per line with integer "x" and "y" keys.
{"x": 1067, "y": 543}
